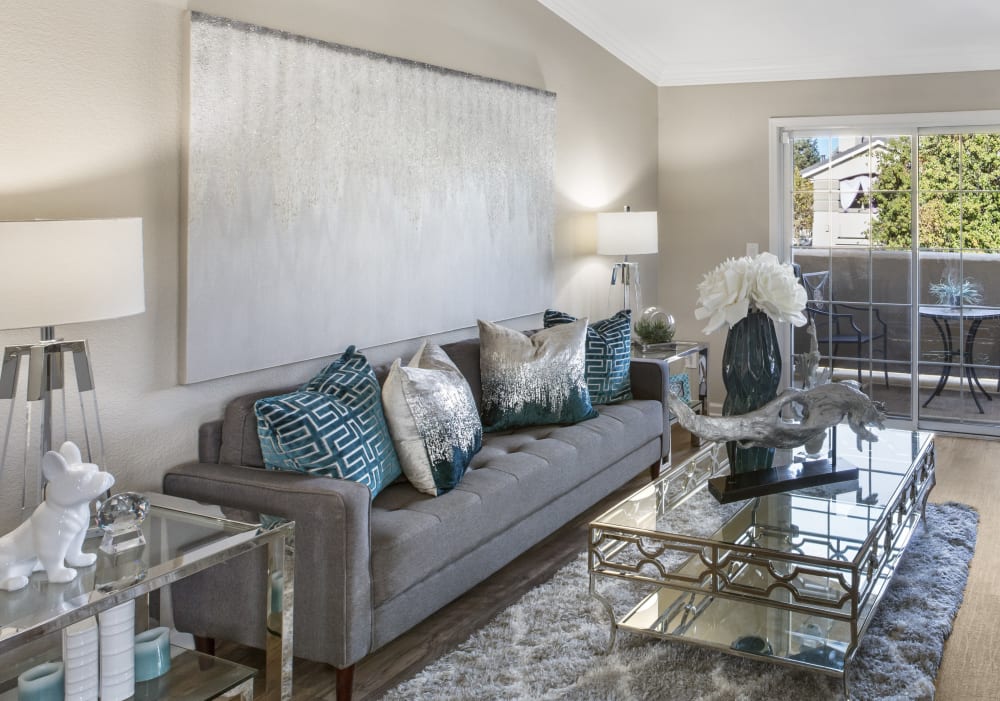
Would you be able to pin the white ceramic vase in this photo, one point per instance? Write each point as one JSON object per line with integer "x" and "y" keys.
{"x": 117, "y": 628}
{"x": 80, "y": 656}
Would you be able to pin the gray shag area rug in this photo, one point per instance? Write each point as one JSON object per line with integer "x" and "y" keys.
{"x": 551, "y": 644}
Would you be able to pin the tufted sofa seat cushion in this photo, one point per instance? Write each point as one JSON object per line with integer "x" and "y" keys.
{"x": 414, "y": 535}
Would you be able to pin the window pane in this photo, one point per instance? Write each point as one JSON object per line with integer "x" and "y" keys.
{"x": 891, "y": 163}
{"x": 891, "y": 276}
{"x": 940, "y": 162}
{"x": 851, "y": 274}
{"x": 980, "y": 162}
{"x": 940, "y": 220}
{"x": 890, "y": 222}
{"x": 981, "y": 220}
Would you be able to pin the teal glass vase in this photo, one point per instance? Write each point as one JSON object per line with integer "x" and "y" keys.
{"x": 751, "y": 372}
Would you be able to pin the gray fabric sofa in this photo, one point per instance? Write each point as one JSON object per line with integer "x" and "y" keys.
{"x": 368, "y": 570}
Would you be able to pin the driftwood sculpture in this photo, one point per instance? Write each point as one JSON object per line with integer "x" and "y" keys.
{"x": 807, "y": 364}
{"x": 818, "y": 409}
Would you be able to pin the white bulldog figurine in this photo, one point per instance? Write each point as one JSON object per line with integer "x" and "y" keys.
{"x": 53, "y": 536}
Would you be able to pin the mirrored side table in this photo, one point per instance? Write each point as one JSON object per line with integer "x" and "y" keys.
{"x": 689, "y": 357}
{"x": 182, "y": 538}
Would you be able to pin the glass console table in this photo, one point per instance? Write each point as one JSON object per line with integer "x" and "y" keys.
{"x": 793, "y": 578}
{"x": 182, "y": 538}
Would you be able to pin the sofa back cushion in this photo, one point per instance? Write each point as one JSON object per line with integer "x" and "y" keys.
{"x": 465, "y": 355}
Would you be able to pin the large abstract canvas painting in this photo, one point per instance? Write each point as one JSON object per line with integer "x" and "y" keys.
{"x": 337, "y": 196}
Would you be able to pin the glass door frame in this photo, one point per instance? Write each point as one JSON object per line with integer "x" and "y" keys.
{"x": 781, "y": 228}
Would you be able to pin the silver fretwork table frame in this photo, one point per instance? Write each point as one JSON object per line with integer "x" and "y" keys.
{"x": 790, "y": 578}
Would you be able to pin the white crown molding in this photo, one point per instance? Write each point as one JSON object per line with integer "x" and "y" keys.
{"x": 833, "y": 66}
{"x": 643, "y": 62}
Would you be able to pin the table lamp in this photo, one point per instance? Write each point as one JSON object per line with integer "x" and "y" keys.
{"x": 624, "y": 234}
{"x": 61, "y": 272}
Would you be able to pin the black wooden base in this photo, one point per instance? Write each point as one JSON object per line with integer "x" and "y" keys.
{"x": 747, "y": 485}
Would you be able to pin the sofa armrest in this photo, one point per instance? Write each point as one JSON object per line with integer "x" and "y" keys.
{"x": 650, "y": 379}
{"x": 333, "y": 589}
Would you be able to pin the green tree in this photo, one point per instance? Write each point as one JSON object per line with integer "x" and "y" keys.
{"x": 959, "y": 192}
{"x": 805, "y": 153}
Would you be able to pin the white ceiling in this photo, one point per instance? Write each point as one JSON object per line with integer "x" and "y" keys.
{"x": 671, "y": 42}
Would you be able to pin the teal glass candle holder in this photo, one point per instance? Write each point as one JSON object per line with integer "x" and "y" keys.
{"x": 43, "y": 682}
{"x": 152, "y": 653}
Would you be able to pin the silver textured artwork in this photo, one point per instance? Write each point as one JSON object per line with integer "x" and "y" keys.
{"x": 337, "y": 196}
{"x": 819, "y": 408}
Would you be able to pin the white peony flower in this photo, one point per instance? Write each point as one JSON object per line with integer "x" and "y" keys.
{"x": 777, "y": 292}
{"x": 728, "y": 292}
{"x": 724, "y": 293}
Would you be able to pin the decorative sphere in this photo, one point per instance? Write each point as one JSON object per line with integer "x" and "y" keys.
{"x": 655, "y": 325}
{"x": 122, "y": 511}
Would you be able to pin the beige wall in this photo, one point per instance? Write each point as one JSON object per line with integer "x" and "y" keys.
{"x": 714, "y": 166}
{"x": 90, "y": 126}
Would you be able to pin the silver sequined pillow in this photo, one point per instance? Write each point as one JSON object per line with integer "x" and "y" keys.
{"x": 432, "y": 419}
{"x": 529, "y": 381}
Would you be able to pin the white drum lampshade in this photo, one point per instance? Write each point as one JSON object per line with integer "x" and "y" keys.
{"x": 626, "y": 233}
{"x": 65, "y": 272}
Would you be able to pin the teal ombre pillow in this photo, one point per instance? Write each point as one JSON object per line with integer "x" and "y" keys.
{"x": 609, "y": 355}
{"x": 528, "y": 381}
{"x": 333, "y": 425}
{"x": 432, "y": 419}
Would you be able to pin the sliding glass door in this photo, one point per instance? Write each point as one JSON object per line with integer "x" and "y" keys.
{"x": 893, "y": 223}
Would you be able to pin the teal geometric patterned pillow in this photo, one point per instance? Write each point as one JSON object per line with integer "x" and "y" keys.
{"x": 609, "y": 355}
{"x": 536, "y": 380}
{"x": 333, "y": 425}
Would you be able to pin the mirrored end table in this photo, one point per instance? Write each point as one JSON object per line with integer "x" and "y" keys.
{"x": 681, "y": 356}
{"x": 182, "y": 538}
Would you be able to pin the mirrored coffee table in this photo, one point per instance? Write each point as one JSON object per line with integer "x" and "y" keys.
{"x": 182, "y": 538}
{"x": 792, "y": 578}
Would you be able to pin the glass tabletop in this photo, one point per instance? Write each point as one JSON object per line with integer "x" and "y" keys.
{"x": 825, "y": 522}
{"x": 181, "y": 537}
{"x": 667, "y": 351}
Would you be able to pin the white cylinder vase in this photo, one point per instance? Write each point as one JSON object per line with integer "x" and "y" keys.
{"x": 117, "y": 629}
{"x": 80, "y": 656}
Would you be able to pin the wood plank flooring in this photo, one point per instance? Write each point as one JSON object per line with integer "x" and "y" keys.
{"x": 968, "y": 471}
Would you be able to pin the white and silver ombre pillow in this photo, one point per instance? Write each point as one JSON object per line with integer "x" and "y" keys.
{"x": 533, "y": 380}
{"x": 432, "y": 419}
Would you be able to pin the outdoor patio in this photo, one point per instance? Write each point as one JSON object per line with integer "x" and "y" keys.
{"x": 872, "y": 286}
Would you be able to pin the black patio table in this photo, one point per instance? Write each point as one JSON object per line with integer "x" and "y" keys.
{"x": 942, "y": 316}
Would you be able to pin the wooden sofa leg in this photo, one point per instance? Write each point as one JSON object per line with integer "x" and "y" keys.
{"x": 654, "y": 470}
{"x": 345, "y": 683}
{"x": 204, "y": 645}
